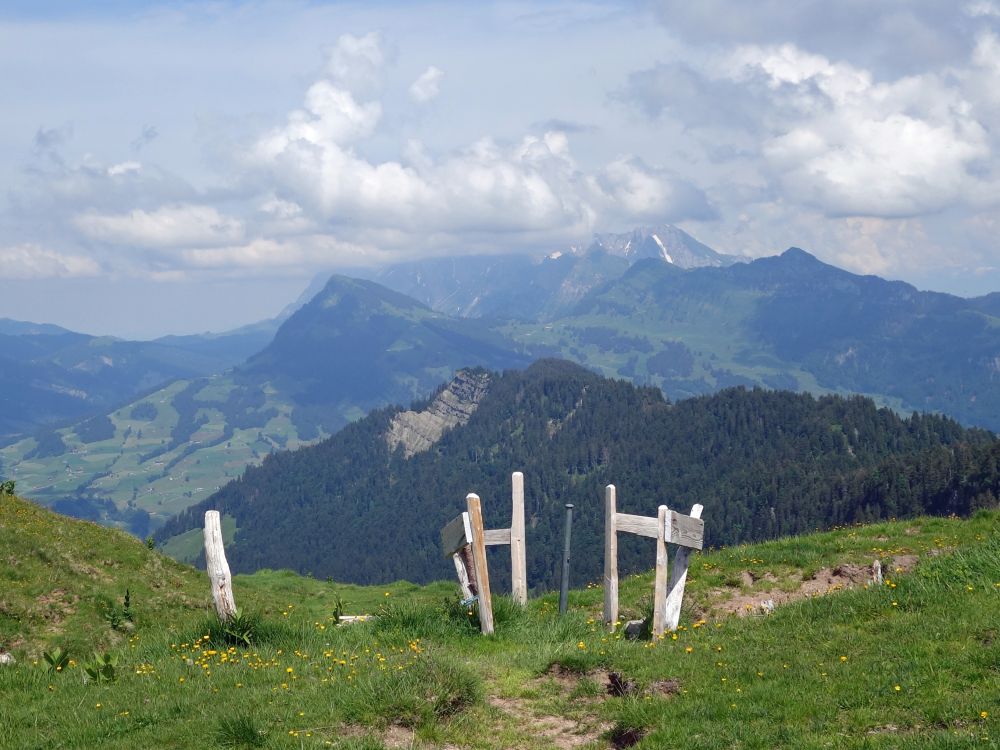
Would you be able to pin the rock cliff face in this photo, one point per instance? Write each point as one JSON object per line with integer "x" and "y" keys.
{"x": 454, "y": 406}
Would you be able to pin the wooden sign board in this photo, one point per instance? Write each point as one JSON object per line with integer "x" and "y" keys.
{"x": 685, "y": 531}
{"x": 456, "y": 534}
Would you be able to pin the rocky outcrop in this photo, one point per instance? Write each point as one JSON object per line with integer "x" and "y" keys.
{"x": 417, "y": 431}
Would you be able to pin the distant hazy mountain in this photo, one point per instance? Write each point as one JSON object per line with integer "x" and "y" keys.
{"x": 666, "y": 242}
{"x": 50, "y": 375}
{"x": 354, "y": 347}
{"x": 526, "y": 288}
{"x": 367, "y": 504}
{"x": 503, "y": 286}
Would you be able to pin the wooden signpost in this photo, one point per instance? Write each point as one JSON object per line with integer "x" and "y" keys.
{"x": 465, "y": 539}
{"x": 669, "y": 527}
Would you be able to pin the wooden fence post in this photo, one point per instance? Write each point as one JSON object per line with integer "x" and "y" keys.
{"x": 479, "y": 560}
{"x": 660, "y": 579}
{"x": 678, "y": 577}
{"x": 518, "y": 566}
{"x": 218, "y": 569}
{"x": 610, "y": 559}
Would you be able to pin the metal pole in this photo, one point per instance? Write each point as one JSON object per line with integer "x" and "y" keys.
{"x": 564, "y": 590}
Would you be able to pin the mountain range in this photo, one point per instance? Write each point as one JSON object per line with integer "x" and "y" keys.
{"x": 786, "y": 322}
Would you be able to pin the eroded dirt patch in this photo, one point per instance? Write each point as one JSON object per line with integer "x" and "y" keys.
{"x": 55, "y": 606}
{"x": 825, "y": 581}
{"x": 561, "y": 731}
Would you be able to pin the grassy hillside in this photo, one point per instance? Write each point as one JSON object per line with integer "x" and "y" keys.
{"x": 159, "y": 454}
{"x": 912, "y": 663}
{"x": 49, "y": 375}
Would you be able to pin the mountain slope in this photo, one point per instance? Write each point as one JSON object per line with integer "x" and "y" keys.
{"x": 786, "y": 322}
{"x": 354, "y": 347}
{"x": 762, "y": 463}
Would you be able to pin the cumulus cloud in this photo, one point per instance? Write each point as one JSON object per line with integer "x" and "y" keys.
{"x": 860, "y": 147}
{"x": 427, "y": 86}
{"x": 828, "y": 133}
{"x": 169, "y": 226}
{"x": 532, "y": 187}
{"x": 31, "y": 261}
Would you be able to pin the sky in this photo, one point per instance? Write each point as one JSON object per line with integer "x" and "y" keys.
{"x": 184, "y": 167}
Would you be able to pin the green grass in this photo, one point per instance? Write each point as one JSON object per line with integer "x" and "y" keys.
{"x": 910, "y": 664}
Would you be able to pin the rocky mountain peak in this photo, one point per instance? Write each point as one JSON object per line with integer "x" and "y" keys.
{"x": 665, "y": 242}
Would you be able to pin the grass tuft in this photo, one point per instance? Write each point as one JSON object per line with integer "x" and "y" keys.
{"x": 240, "y": 731}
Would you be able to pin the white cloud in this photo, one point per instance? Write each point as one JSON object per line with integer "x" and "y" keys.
{"x": 427, "y": 86}
{"x": 356, "y": 62}
{"x": 126, "y": 167}
{"x": 173, "y": 225}
{"x": 853, "y": 146}
{"x": 30, "y": 261}
{"x": 531, "y": 187}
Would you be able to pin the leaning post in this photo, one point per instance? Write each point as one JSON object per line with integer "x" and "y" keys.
{"x": 678, "y": 577}
{"x": 218, "y": 569}
{"x": 479, "y": 561}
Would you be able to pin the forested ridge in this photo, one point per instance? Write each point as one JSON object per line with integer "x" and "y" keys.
{"x": 763, "y": 463}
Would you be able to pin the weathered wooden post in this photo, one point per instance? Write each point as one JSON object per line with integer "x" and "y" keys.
{"x": 479, "y": 561}
{"x": 610, "y": 559}
{"x": 678, "y": 578}
{"x": 518, "y": 564}
{"x": 218, "y": 569}
{"x": 660, "y": 578}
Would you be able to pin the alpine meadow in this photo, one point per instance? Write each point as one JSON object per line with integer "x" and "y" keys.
{"x": 500, "y": 376}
